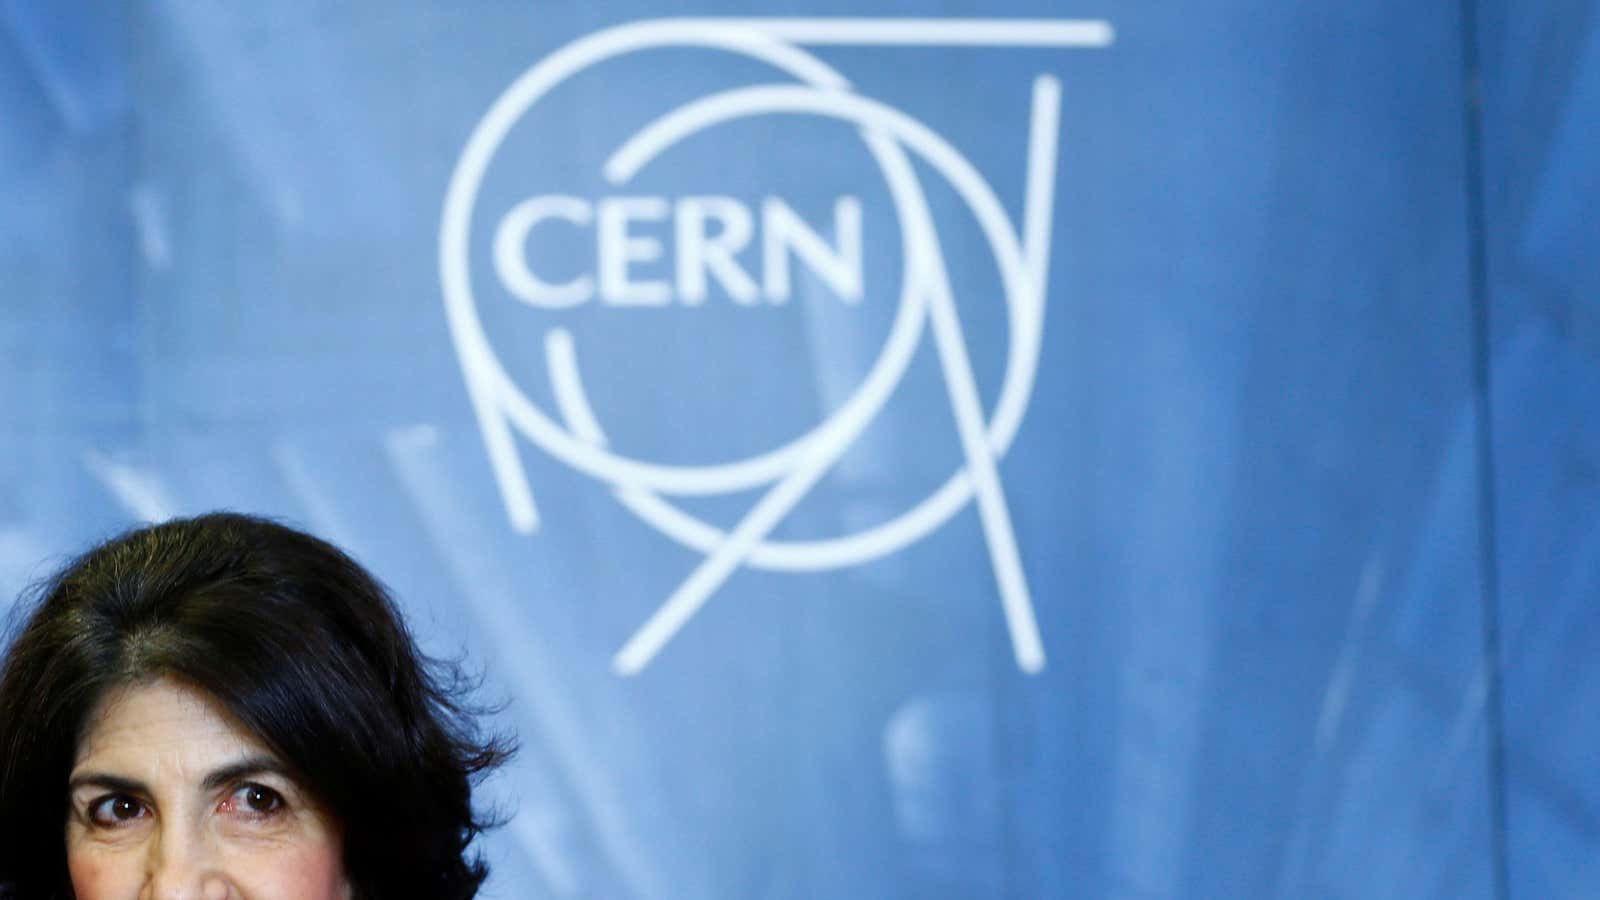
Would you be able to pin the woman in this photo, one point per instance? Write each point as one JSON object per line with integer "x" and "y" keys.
{"x": 225, "y": 708}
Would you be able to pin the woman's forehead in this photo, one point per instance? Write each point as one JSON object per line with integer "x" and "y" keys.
{"x": 163, "y": 724}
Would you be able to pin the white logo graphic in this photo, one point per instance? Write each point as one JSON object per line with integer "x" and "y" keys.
{"x": 789, "y": 472}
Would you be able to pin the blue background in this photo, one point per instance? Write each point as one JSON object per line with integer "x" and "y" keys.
{"x": 1307, "y": 492}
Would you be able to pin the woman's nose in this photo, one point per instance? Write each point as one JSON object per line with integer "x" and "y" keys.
{"x": 183, "y": 867}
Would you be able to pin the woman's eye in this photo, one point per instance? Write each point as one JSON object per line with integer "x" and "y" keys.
{"x": 116, "y": 810}
{"x": 255, "y": 800}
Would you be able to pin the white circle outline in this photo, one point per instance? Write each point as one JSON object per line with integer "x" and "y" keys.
{"x": 935, "y": 509}
{"x": 1024, "y": 301}
{"x": 478, "y": 359}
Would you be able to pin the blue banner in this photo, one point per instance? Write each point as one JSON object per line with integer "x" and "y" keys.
{"x": 882, "y": 449}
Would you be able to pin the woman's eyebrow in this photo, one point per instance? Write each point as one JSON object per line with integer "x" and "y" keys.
{"x": 107, "y": 782}
{"x": 244, "y": 768}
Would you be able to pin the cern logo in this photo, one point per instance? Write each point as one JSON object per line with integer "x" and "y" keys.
{"x": 808, "y": 87}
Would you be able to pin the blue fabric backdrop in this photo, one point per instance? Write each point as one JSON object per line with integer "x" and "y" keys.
{"x": 1011, "y": 449}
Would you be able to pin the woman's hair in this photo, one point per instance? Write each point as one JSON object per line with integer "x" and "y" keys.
{"x": 305, "y": 649}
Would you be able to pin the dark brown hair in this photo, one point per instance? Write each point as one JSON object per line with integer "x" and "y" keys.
{"x": 301, "y": 644}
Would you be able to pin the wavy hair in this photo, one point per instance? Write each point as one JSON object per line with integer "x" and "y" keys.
{"x": 301, "y": 644}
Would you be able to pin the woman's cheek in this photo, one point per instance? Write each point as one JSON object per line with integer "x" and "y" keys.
{"x": 95, "y": 878}
{"x": 324, "y": 877}
{"x": 313, "y": 872}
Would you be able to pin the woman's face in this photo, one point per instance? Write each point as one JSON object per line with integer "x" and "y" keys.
{"x": 171, "y": 798}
